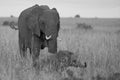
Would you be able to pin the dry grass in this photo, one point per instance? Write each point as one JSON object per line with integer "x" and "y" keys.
{"x": 99, "y": 48}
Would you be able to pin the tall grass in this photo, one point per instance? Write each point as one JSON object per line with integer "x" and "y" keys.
{"x": 99, "y": 49}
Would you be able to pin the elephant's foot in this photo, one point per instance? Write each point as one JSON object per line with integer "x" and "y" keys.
{"x": 23, "y": 54}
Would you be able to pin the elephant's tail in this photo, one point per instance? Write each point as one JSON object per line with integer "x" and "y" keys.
{"x": 13, "y": 26}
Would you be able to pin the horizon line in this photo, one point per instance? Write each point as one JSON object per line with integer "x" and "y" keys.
{"x": 61, "y": 17}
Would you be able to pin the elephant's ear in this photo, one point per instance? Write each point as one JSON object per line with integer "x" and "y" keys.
{"x": 33, "y": 25}
{"x": 37, "y": 29}
{"x": 33, "y": 20}
{"x": 58, "y": 24}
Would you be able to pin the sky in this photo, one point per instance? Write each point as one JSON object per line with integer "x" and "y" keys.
{"x": 66, "y": 8}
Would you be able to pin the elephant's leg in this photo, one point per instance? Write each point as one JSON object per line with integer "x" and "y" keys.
{"x": 30, "y": 51}
{"x": 35, "y": 51}
{"x": 22, "y": 47}
{"x": 43, "y": 44}
{"x": 23, "y": 50}
{"x": 29, "y": 47}
{"x": 43, "y": 41}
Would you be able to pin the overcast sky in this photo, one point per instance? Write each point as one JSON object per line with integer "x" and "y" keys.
{"x": 66, "y": 8}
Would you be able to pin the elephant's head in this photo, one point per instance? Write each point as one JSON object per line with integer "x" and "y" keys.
{"x": 45, "y": 20}
{"x": 49, "y": 24}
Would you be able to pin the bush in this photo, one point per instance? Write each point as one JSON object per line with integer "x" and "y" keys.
{"x": 77, "y": 16}
{"x": 5, "y": 23}
{"x": 61, "y": 61}
{"x": 11, "y": 16}
{"x": 84, "y": 26}
{"x": 8, "y": 23}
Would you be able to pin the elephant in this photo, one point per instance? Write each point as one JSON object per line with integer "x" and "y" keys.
{"x": 38, "y": 27}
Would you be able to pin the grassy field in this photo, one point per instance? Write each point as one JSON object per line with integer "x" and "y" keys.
{"x": 99, "y": 47}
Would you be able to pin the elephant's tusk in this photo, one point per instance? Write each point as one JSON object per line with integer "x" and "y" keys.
{"x": 48, "y": 37}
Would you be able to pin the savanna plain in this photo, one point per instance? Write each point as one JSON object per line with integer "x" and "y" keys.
{"x": 99, "y": 47}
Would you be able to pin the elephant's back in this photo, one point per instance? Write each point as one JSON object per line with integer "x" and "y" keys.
{"x": 44, "y": 7}
{"x": 25, "y": 13}
{"x": 23, "y": 18}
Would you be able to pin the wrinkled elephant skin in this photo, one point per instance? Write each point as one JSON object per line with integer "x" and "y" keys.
{"x": 34, "y": 25}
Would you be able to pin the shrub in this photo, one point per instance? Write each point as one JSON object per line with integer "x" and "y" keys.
{"x": 77, "y": 16}
{"x": 8, "y": 23}
{"x": 5, "y": 23}
{"x": 11, "y": 16}
{"x": 84, "y": 26}
{"x": 61, "y": 61}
